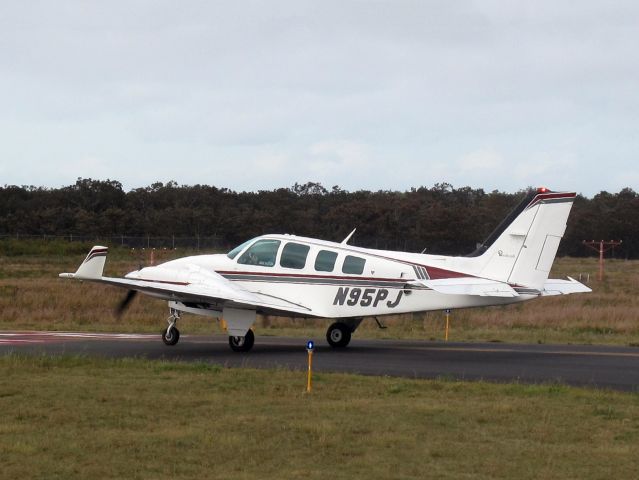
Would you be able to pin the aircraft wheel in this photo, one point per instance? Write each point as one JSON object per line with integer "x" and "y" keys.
{"x": 338, "y": 335}
{"x": 170, "y": 338}
{"x": 242, "y": 344}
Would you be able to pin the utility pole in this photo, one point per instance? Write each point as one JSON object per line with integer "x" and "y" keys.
{"x": 601, "y": 247}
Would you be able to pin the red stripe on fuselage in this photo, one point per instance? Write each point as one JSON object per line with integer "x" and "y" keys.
{"x": 160, "y": 281}
{"x": 551, "y": 196}
{"x": 304, "y": 275}
{"x": 435, "y": 273}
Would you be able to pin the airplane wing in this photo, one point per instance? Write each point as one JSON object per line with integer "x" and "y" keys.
{"x": 564, "y": 287}
{"x": 217, "y": 291}
{"x": 469, "y": 286}
{"x": 490, "y": 288}
{"x": 200, "y": 287}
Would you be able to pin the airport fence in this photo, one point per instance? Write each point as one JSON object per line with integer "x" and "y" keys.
{"x": 197, "y": 242}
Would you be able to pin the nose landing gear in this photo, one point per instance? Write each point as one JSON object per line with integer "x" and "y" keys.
{"x": 171, "y": 335}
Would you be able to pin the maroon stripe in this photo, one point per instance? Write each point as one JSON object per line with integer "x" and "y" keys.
{"x": 303, "y": 275}
{"x": 439, "y": 273}
{"x": 550, "y": 196}
{"x": 96, "y": 254}
{"x": 433, "y": 272}
{"x": 160, "y": 281}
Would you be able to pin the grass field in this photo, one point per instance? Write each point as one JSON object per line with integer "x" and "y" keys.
{"x": 81, "y": 417}
{"x": 74, "y": 417}
{"x": 32, "y": 297}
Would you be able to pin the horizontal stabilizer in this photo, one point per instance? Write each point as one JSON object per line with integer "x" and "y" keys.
{"x": 92, "y": 267}
{"x": 469, "y": 286}
{"x": 564, "y": 287}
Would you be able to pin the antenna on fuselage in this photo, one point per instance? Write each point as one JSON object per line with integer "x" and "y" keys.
{"x": 345, "y": 241}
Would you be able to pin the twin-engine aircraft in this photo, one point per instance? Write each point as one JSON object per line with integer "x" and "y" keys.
{"x": 295, "y": 276}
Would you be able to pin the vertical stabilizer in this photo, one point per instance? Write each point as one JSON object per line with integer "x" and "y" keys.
{"x": 522, "y": 250}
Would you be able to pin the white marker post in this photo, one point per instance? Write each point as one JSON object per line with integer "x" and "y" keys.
{"x": 309, "y": 348}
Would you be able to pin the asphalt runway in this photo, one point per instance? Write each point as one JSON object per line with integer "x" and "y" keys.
{"x": 582, "y": 365}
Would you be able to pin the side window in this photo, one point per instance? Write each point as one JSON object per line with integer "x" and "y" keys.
{"x": 325, "y": 261}
{"x": 262, "y": 252}
{"x": 353, "y": 265}
{"x": 294, "y": 255}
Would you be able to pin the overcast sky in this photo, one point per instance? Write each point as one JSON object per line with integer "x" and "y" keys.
{"x": 363, "y": 94}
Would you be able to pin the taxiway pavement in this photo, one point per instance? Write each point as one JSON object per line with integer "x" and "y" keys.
{"x": 583, "y": 365}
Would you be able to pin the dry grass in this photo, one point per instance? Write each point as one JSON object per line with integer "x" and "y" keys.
{"x": 32, "y": 297}
{"x": 83, "y": 418}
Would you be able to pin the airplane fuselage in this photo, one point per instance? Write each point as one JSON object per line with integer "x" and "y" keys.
{"x": 332, "y": 280}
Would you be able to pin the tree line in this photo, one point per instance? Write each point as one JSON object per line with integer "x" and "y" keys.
{"x": 438, "y": 219}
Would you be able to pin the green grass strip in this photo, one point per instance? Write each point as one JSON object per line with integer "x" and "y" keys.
{"x": 76, "y": 417}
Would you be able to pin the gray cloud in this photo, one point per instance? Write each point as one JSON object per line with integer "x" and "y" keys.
{"x": 364, "y": 94}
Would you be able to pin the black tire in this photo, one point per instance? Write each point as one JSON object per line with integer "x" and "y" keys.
{"x": 338, "y": 335}
{"x": 172, "y": 338}
{"x": 242, "y": 344}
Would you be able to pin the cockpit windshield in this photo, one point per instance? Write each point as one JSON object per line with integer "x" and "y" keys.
{"x": 233, "y": 253}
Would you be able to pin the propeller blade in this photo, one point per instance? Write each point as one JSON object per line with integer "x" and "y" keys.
{"x": 125, "y": 303}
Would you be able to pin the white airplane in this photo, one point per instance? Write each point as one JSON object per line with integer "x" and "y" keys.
{"x": 295, "y": 276}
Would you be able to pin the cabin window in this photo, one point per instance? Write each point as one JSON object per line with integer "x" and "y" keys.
{"x": 262, "y": 253}
{"x": 353, "y": 265}
{"x": 325, "y": 261}
{"x": 294, "y": 255}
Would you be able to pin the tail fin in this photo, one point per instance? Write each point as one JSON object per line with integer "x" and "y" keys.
{"x": 92, "y": 267}
{"x": 522, "y": 249}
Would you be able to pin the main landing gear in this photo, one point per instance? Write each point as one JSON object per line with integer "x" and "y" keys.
{"x": 171, "y": 335}
{"x": 339, "y": 334}
{"x": 242, "y": 344}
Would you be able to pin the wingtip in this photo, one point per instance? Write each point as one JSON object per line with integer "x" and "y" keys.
{"x": 585, "y": 288}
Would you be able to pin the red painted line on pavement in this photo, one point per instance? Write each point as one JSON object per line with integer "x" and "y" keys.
{"x": 19, "y": 338}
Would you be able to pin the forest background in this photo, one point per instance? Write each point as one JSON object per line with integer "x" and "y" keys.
{"x": 440, "y": 219}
